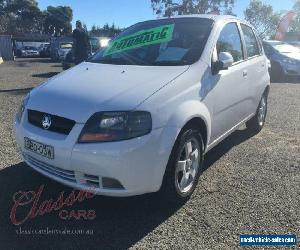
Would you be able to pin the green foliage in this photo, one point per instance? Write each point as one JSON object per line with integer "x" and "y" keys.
{"x": 24, "y": 16}
{"x": 262, "y": 17}
{"x": 20, "y": 16}
{"x": 106, "y": 31}
{"x": 295, "y": 26}
{"x": 169, "y": 8}
{"x": 58, "y": 20}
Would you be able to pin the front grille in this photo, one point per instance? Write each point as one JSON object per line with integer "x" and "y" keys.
{"x": 88, "y": 180}
{"x": 58, "y": 124}
{"x": 67, "y": 175}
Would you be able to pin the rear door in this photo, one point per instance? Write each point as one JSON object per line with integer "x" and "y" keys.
{"x": 257, "y": 68}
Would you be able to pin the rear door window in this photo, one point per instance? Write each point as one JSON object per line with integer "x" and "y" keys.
{"x": 251, "y": 43}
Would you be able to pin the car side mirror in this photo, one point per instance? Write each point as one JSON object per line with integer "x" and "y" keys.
{"x": 225, "y": 61}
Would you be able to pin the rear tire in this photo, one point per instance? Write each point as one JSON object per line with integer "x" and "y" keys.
{"x": 257, "y": 122}
{"x": 184, "y": 166}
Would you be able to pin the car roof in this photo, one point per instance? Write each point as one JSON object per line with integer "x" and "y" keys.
{"x": 214, "y": 17}
{"x": 207, "y": 16}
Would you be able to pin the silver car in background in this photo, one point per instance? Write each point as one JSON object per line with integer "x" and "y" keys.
{"x": 29, "y": 51}
{"x": 284, "y": 58}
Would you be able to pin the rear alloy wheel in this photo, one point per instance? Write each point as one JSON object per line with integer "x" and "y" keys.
{"x": 257, "y": 122}
{"x": 184, "y": 166}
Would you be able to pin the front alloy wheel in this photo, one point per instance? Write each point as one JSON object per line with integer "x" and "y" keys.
{"x": 184, "y": 166}
{"x": 187, "y": 165}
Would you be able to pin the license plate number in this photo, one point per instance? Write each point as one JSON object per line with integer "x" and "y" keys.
{"x": 39, "y": 148}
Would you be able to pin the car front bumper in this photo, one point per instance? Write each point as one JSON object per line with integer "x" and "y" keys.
{"x": 137, "y": 164}
{"x": 291, "y": 69}
{"x": 29, "y": 54}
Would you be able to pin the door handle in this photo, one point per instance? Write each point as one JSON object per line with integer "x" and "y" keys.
{"x": 245, "y": 73}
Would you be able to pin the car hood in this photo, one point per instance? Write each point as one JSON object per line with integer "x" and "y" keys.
{"x": 89, "y": 87}
{"x": 295, "y": 56}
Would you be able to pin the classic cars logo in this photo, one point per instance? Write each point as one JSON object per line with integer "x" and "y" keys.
{"x": 29, "y": 201}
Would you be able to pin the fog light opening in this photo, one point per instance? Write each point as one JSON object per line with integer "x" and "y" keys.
{"x": 111, "y": 183}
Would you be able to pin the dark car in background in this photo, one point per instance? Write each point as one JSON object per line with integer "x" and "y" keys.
{"x": 69, "y": 60}
{"x": 284, "y": 58}
{"x": 95, "y": 44}
{"x": 44, "y": 50}
{"x": 294, "y": 43}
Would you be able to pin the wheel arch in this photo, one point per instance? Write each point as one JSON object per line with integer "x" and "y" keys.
{"x": 267, "y": 90}
{"x": 200, "y": 124}
{"x": 192, "y": 113}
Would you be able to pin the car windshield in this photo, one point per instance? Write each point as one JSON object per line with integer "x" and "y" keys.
{"x": 165, "y": 42}
{"x": 284, "y": 47}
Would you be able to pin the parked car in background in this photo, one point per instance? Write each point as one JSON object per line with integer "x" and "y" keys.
{"x": 284, "y": 58}
{"x": 59, "y": 47}
{"x": 28, "y": 51}
{"x": 44, "y": 50}
{"x": 63, "y": 50}
{"x": 139, "y": 116}
{"x": 294, "y": 43}
{"x": 69, "y": 60}
{"x": 96, "y": 43}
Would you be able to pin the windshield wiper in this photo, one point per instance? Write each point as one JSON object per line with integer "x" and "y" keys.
{"x": 117, "y": 61}
{"x": 169, "y": 63}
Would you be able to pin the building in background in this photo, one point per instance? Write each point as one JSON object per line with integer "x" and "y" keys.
{"x": 6, "y": 47}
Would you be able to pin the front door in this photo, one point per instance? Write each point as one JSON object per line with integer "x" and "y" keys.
{"x": 230, "y": 89}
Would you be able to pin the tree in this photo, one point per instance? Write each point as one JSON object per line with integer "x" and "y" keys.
{"x": 58, "y": 20}
{"x": 106, "y": 30}
{"x": 169, "y": 8}
{"x": 263, "y": 18}
{"x": 20, "y": 16}
{"x": 295, "y": 26}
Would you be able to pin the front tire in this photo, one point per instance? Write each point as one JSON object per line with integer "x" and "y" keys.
{"x": 184, "y": 166}
{"x": 257, "y": 122}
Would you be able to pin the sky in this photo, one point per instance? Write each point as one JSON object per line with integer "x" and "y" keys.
{"x": 124, "y": 13}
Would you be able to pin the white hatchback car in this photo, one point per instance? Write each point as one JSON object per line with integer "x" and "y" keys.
{"x": 139, "y": 116}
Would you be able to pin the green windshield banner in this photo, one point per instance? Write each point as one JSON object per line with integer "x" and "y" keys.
{"x": 142, "y": 38}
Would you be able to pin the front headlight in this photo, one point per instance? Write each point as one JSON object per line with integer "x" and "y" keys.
{"x": 289, "y": 61}
{"x": 22, "y": 107}
{"x": 116, "y": 126}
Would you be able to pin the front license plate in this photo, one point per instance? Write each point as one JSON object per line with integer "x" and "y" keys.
{"x": 39, "y": 148}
